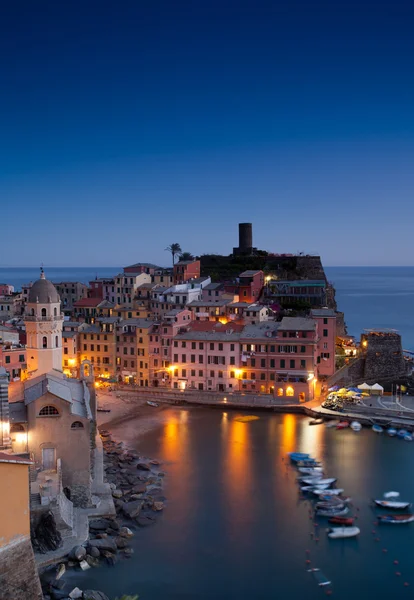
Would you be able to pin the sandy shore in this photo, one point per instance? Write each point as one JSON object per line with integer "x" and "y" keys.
{"x": 130, "y": 416}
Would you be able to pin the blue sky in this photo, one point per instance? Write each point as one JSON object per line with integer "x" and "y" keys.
{"x": 127, "y": 126}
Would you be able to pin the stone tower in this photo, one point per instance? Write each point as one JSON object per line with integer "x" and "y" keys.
{"x": 44, "y": 323}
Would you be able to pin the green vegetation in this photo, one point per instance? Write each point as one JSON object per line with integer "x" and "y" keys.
{"x": 174, "y": 249}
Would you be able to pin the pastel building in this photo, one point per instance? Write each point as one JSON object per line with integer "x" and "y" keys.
{"x": 250, "y": 285}
{"x": 185, "y": 270}
{"x": 6, "y": 289}
{"x": 326, "y": 329}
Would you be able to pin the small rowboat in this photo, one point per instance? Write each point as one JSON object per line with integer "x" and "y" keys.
{"x": 408, "y": 518}
{"x": 153, "y": 404}
{"x": 298, "y": 456}
{"x": 318, "y": 481}
{"x": 343, "y": 532}
{"x": 316, "y": 422}
{"x": 310, "y": 462}
{"x": 392, "y": 504}
{"x": 333, "y": 512}
{"x": 345, "y": 521}
{"x": 334, "y": 492}
{"x": 391, "y": 431}
{"x": 320, "y": 577}
{"x": 401, "y": 433}
{"x": 310, "y": 470}
{"x": 313, "y": 488}
{"x": 408, "y": 437}
{"x": 342, "y": 425}
{"x": 356, "y": 426}
{"x": 391, "y": 495}
{"x": 377, "y": 428}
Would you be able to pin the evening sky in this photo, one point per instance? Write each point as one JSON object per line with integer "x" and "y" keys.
{"x": 128, "y": 125}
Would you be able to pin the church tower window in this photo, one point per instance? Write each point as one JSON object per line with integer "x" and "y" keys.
{"x": 44, "y": 343}
{"x": 43, "y": 312}
{"x": 57, "y": 341}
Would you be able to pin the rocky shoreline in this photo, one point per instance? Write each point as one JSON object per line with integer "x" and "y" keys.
{"x": 137, "y": 489}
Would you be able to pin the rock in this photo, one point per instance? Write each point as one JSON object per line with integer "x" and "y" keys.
{"x": 115, "y": 526}
{"x": 161, "y": 474}
{"x": 59, "y": 584}
{"x": 94, "y": 595}
{"x": 158, "y": 506}
{"x": 111, "y": 559}
{"x": 84, "y": 565}
{"x": 46, "y": 535}
{"x": 144, "y": 521}
{"x": 77, "y": 553}
{"x": 103, "y": 545}
{"x": 60, "y": 571}
{"x": 100, "y": 524}
{"x": 112, "y": 485}
{"x": 125, "y": 532}
{"x": 143, "y": 467}
{"x": 154, "y": 462}
{"x": 71, "y": 564}
{"x": 76, "y": 593}
{"x": 117, "y": 494}
{"x": 92, "y": 562}
{"x": 58, "y": 594}
{"x": 101, "y": 536}
{"x": 94, "y": 552}
{"x": 128, "y": 552}
{"x": 141, "y": 488}
{"x": 121, "y": 542}
{"x": 132, "y": 509}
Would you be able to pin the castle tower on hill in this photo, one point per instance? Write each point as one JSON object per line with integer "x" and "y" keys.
{"x": 44, "y": 323}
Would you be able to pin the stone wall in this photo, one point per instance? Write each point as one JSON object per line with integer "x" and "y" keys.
{"x": 18, "y": 574}
{"x": 383, "y": 356}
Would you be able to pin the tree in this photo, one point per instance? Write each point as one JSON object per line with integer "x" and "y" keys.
{"x": 174, "y": 249}
{"x": 186, "y": 256}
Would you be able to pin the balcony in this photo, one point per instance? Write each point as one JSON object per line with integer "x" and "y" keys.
{"x": 36, "y": 318}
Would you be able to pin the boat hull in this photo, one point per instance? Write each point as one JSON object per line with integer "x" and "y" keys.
{"x": 392, "y": 505}
{"x": 396, "y": 519}
{"x": 343, "y": 532}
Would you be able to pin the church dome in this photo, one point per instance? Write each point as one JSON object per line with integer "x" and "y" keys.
{"x": 43, "y": 291}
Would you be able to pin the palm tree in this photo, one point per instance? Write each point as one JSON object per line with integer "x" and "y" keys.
{"x": 186, "y": 256}
{"x": 174, "y": 249}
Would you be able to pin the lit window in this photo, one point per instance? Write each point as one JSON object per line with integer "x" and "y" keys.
{"x": 280, "y": 391}
{"x": 289, "y": 391}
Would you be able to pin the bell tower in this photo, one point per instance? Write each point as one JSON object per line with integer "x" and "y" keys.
{"x": 44, "y": 323}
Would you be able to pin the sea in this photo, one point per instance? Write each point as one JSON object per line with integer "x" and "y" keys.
{"x": 370, "y": 297}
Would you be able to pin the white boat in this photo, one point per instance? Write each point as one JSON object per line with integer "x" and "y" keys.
{"x": 311, "y": 488}
{"x": 343, "y": 532}
{"x": 330, "y": 424}
{"x": 154, "y": 404}
{"x": 332, "y": 512}
{"x": 320, "y": 577}
{"x": 356, "y": 426}
{"x": 334, "y": 492}
{"x": 310, "y": 470}
{"x": 408, "y": 437}
{"x": 316, "y": 481}
{"x": 392, "y": 504}
{"x": 392, "y": 495}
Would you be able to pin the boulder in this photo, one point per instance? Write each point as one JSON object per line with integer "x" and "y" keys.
{"x": 132, "y": 509}
{"x": 84, "y": 565}
{"x": 140, "y": 488}
{"x": 94, "y": 552}
{"x": 46, "y": 536}
{"x": 100, "y": 524}
{"x": 92, "y": 562}
{"x": 128, "y": 552}
{"x": 143, "y": 467}
{"x": 158, "y": 506}
{"x": 154, "y": 462}
{"x": 58, "y": 594}
{"x": 94, "y": 595}
{"x": 76, "y": 593}
{"x": 60, "y": 571}
{"x": 77, "y": 553}
{"x": 161, "y": 474}
{"x": 125, "y": 532}
{"x": 117, "y": 494}
{"x": 112, "y": 485}
{"x": 107, "y": 544}
{"x": 110, "y": 558}
{"x": 144, "y": 521}
{"x": 101, "y": 536}
{"x": 121, "y": 542}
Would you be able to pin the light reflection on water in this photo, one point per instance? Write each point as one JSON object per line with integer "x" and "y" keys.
{"x": 234, "y": 525}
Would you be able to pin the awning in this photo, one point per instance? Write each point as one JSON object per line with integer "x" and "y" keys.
{"x": 364, "y": 386}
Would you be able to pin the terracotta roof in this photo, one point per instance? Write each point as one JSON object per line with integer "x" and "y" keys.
{"x": 87, "y": 303}
{"x": 12, "y": 458}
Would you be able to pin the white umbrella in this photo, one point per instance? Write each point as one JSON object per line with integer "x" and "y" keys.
{"x": 364, "y": 386}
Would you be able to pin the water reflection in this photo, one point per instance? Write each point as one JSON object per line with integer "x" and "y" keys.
{"x": 237, "y": 468}
{"x": 289, "y": 424}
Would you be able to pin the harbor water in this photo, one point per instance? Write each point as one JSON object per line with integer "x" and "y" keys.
{"x": 235, "y": 526}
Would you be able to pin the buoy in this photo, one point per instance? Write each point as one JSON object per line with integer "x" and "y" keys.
{"x": 308, "y": 562}
{"x": 377, "y": 539}
{"x": 406, "y": 583}
{"x": 395, "y": 562}
{"x": 398, "y": 573}
{"x": 384, "y": 550}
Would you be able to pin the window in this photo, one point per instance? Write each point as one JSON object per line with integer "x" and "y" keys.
{"x": 183, "y": 344}
{"x": 282, "y": 363}
{"x": 49, "y": 411}
{"x": 7, "y": 359}
{"x": 263, "y": 376}
{"x": 76, "y": 425}
{"x": 43, "y": 312}
{"x": 220, "y": 346}
{"x": 292, "y": 364}
{"x": 280, "y": 392}
{"x": 200, "y": 359}
{"x": 92, "y": 347}
{"x": 325, "y": 345}
{"x": 44, "y": 342}
{"x": 200, "y": 373}
{"x": 211, "y": 373}
{"x": 252, "y": 375}
{"x": 175, "y": 358}
{"x": 65, "y": 350}
{"x": 325, "y": 333}
{"x": 232, "y": 374}
{"x": 272, "y": 363}
{"x": 253, "y": 362}
{"x": 231, "y": 347}
{"x": 290, "y": 391}
{"x": 193, "y": 345}
{"x": 263, "y": 363}
{"x": 303, "y": 364}
{"x": 325, "y": 321}
{"x": 272, "y": 348}
{"x": 193, "y": 358}
{"x": 125, "y": 363}
{"x": 220, "y": 374}
{"x": 232, "y": 360}
{"x": 105, "y": 348}
{"x": 272, "y": 376}
{"x": 55, "y": 312}
{"x": 56, "y": 341}
{"x": 175, "y": 344}
{"x": 211, "y": 346}
{"x": 193, "y": 373}
{"x": 184, "y": 372}
{"x": 201, "y": 346}
{"x": 303, "y": 348}
{"x": 21, "y": 357}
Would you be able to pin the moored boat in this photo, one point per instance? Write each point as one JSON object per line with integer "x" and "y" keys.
{"x": 317, "y": 481}
{"x": 377, "y": 428}
{"x": 408, "y": 437}
{"x": 392, "y": 495}
{"x": 392, "y": 504}
{"x": 345, "y": 521}
{"x": 310, "y": 470}
{"x": 402, "y": 432}
{"x": 319, "y": 576}
{"x": 311, "y": 462}
{"x": 316, "y": 422}
{"x": 343, "y": 532}
{"x": 406, "y": 518}
{"x": 334, "y": 512}
{"x": 356, "y": 426}
{"x": 333, "y": 423}
{"x": 391, "y": 431}
{"x": 342, "y": 425}
{"x": 328, "y": 492}
{"x": 298, "y": 456}
{"x": 311, "y": 488}
{"x": 153, "y": 404}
